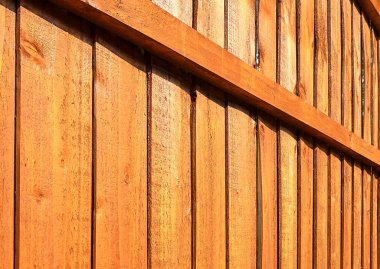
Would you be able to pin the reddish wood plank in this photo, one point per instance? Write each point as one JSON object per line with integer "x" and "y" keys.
{"x": 55, "y": 138}
{"x": 356, "y": 62}
{"x": 366, "y": 230}
{"x": 375, "y": 92}
{"x": 241, "y": 145}
{"x": 170, "y": 190}
{"x": 367, "y": 59}
{"x": 357, "y": 217}
{"x": 288, "y": 142}
{"x": 7, "y": 131}
{"x": 267, "y": 159}
{"x": 374, "y": 223}
{"x": 347, "y": 220}
{"x": 120, "y": 170}
{"x": 305, "y": 91}
{"x": 210, "y": 153}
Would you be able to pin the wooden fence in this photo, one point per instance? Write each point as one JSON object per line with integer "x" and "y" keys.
{"x": 189, "y": 134}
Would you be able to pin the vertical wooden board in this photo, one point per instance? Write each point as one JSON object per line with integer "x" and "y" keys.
{"x": 241, "y": 145}
{"x": 347, "y": 206}
{"x": 210, "y": 153}
{"x": 321, "y": 207}
{"x": 375, "y": 92}
{"x": 288, "y": 142}
{"x": 170, "y": 190}
{"x": 366, "y": 236}
{"x": 210, "y": 180}
{"x": 357, "y": 218}
{"x": 120, "y": 102}
{"x": 305, "y": 91}
{"x": 241, "y": 187}
{"x": 267, "y": 157}
{"x": 356, "y": 62}
{"x": 170, "y": 194}
{"x": 367, "y": 45}
{"x": 335, "y": 209}
{"x": 347, "y": 64}
{"x": 335, "y": 111}
{"x": 55, "y": 138}
{"x": 7, "y": 131}
{"x": 374, "y": 222}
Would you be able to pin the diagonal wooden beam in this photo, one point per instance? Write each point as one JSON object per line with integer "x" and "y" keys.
{"x": 148, "y": 26}
{"x": 371, "y": 9}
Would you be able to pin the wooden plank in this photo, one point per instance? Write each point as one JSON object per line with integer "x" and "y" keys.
{"x": 120, "y": 167}
{"x": 367, "y": 44}
{"x": 374, "y": 222}
{"x": 357, "y": 217}
{"x": 241, "y": 142}
{"x": 335, "y": 111}
{"x": 347, "y": 220}
{"x": 210, "y": 142}
{"x": 267, "y": 156}
{"x": 55, "y": 138}
{"x": 356, "y": 61}
{"x": 287, "y": 140}
{"x": 170, "y": 175}
{"x": 7, "y": 131}
{"x": 305, "y": 153}
{"x": 203, "y": 58}
{"x": 375, "y": 92}
{"x": 371, "y": 9}
{"x": 366, "y": 230}
{"x": 347, "y": 113}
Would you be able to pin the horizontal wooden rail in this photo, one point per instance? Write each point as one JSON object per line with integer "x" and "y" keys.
{"x": 150, "y": 27}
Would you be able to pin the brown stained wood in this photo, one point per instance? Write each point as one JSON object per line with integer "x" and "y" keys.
{"x": 366, "y": 230}
{"x": 367, "y": 59}
{"x": 356, "y": 62}
{"x": 305, "y": 91}
{"x": 202, "y": 57}
{"x": 357, "y": 217}
{"x": 347, "y": 206}
{"x": 242, "y": 205}
{"x": 7, "y": 131}
{"x": 267, "y": 157}
{"x": 321, "y": 207}
{"x": 335, "y": 200}
{"x": 170, "y": 205}
{"x": 347, "y": 64}
{"x": 210, "y": 152}
{"x": 375, "y": 92}
{"x": 120, "y": 103}
{"x": 335, "y": 111}
{"x": 371, "y": 9}
{"x": 374, "y": 222}
{"x": 55, "y": 138}
{"x": 170, "y": 190}
{"x": 288, "y": 142}
{"x": 241, "y": 187}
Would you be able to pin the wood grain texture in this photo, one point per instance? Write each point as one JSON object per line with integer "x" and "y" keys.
{"x": 288, "y": 142}
{"x": 367, "y": 59}
{"x": 210, "y": 153}
{"x": 267, "y": 158}
{"x": 366, "y": 231}
{"x": 7, "y": 131}
{"x": 170, "y": 204}
{"x": 305, "y": 91}
{"x": 356, "y": 62}
{"x": 375, "y": 92}
{"x": 335, "y": 111}
{"x": 210, "y": 62}
{"x": 374, "y": 222}
{"x": 55, "y": 138}
{"x": 170, "y": 190}
{"x": 347, "y": 206}
{"x": 357, "y": 217}
{"x": 371, "y": 9}
{"x": 121, "y": 160}
{"x": 242, "y": 199}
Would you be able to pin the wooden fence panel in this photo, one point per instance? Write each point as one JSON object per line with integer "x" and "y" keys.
{"x": 366, "y": 236}
{"x": 241, "y": 146}
{"x": 55, "y": 133}
{"x": 210, "y": 152}
{"x": 374, "y": 221}
{"x": 7, "y": 131}
{"x": 120, "y": 105}
{"x": 357, "y": 217}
